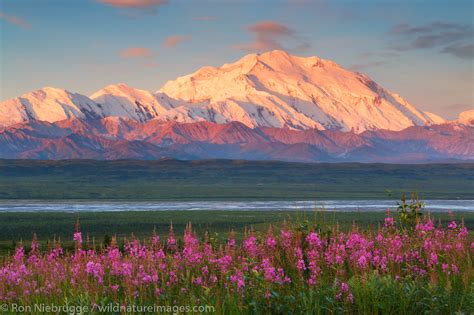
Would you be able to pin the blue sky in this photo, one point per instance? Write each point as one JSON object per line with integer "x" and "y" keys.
{"x": 422, "y": 50}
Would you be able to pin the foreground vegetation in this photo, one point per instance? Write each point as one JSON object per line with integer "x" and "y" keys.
{"x": 409, "y": 264}
{"x": 229, "y": 180}
{"x": 99, "y": 227}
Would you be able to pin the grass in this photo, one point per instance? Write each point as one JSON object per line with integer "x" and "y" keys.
{"x": 307, "y": 266}
{"x": 16, "y": 227}
{"x": 229, "y": 180}
{"x": 409, "y": 283}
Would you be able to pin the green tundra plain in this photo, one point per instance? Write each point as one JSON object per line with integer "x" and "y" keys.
{"x": 230, "y": 180}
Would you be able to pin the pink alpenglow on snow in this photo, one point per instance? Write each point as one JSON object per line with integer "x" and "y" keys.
{"x": 272, "y": 89}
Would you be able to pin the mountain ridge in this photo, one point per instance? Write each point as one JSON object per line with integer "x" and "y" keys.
{"x": 107, "y": 138}
{"x": 270, "y": 106}
{"x": 273, "y": 89}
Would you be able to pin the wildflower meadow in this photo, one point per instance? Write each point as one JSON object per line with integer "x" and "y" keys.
{"x": 423, "y": 268}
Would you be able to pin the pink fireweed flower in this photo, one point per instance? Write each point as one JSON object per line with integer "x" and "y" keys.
{"x": 198, "y": 281}
{"x": 213, "y": 279}
{"x": 269, "y": 273}
{"x": 190, "y": 240}
{"x": 425, "y": 226}
{"x": 77, "y": 237}
{"x": 362, "y": 261}
{"x": 146, "y": 270}
{"x": 208, "y": 250}
{"x": 463, "y": 232}
{"x": 452, "y": 225}
{"x": 299, "y": 253}
{"x": 314, "y": 240}
{"x": 271, "y": 242}
{"x": 192, "y": 256}
{"x": 389, "y": 222}
{"x": 454, "y": 269}
{"x": 127, "y": 269}
{"x": 445, "y": 268}
{"x": 300, "y": 265}
{"x": 379, "y": 238}
{"x": 224, "y": 262}
{"x": 250, "y": 245}
{"x": 433, "y": 260}
{"x": 96, "y": 270}
{"x": 238, "y": 279}
{"x": 344, "y": 287}
{"x": 34, "y": 245}
{"x": 173, "y": 278}
{"x": 356, "y": 240}
{"x": 312, "y": 280}
{"x": 19, "y": 254}
{"x": 350, "y": 298}
{"x": 113, "y": 254}
{"x": 171, "y": 241}
{"x": 155, "y": 240}
{"x": 285, "y": 236}
{"x": 231, "y": 242}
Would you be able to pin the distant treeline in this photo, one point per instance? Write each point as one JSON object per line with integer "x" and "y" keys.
{"x": 229, "y": 180}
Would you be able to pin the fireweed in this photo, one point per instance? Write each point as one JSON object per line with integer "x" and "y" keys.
{"x": 387, "y": 270}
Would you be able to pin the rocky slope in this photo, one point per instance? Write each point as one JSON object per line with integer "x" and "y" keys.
{"x": 111, "y": 138}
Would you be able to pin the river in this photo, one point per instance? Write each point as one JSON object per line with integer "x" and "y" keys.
{"x": 335, "y": 205}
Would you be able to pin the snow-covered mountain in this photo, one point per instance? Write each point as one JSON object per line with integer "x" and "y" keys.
{"x": 120, "y": 100}
{"x": 48, "y": 104}
{"x": 276, "y": 89}
{"x": 467, "y": 118}
{"x": 273, "y": 89}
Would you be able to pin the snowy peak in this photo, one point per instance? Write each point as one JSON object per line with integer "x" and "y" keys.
{"x": 47, "y": 104}
{"x": 120, "y": 100}
{"x": 276, "y": 89}
{"x": 467, "y": 118}
{"x": 272, "y": 89}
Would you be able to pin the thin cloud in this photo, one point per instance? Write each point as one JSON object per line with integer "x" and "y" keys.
{"x": 135, "y": 8}
{"x": 269, "y": 35}
{"x": 141, "y": 55}
{"x": 372, "y": 59}
{"x": 136, "y": 4}
{"x": 381, "y": 54}
{"x": 15, "y": 20}
{"x": 451, "y": 38}
{"x": 204, "y": 18}
{"x": 368, "y": 64}
{"x": 406, "y": 28}
{"x": 174, "y": 40}
{"x": 136, "y": 52}
{"x": 460, "y": 51}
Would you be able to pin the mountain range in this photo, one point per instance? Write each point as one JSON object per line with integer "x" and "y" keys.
{"x": 263, "y": 106}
